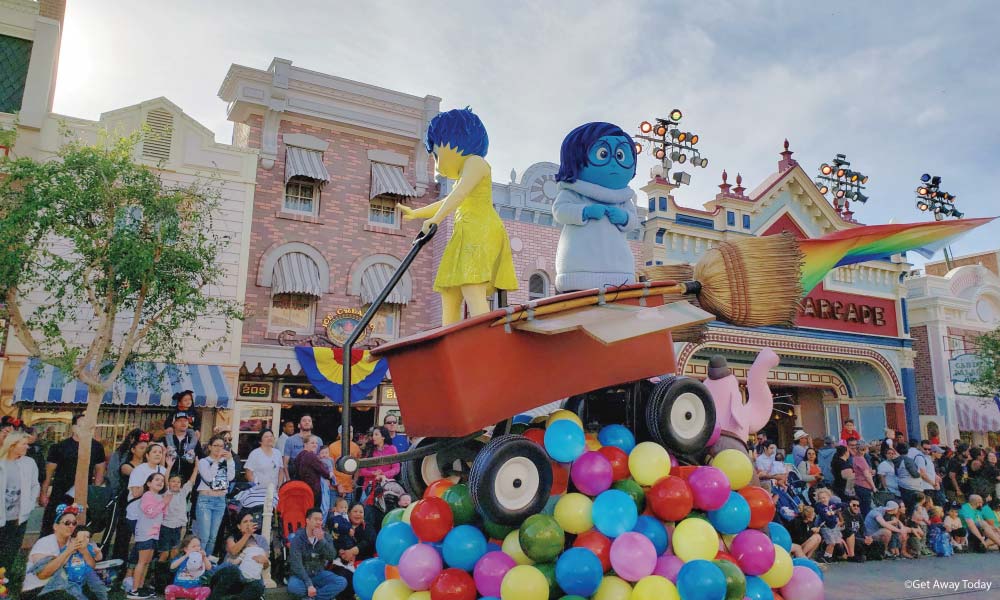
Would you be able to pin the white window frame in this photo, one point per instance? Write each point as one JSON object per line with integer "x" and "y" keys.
{"x": 397, "y": 314}
{"x": 383, "y": 203}
{"x": 301, "y": 182}
{"x": 308, "y": 330}
{"x": 545, "y": 286}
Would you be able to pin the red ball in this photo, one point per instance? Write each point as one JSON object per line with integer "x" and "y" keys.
{"x": 436, "y": 489}
{"x": 535, "y": 434}
{"x": 431, "y": 520}
{"x": 761, "y": 506}
{"x": 726, "y": 556}
{"x": 598, "y": 543}
{"x": 670, "y": 498}
{"x": 619, "y": 461}
{"x": 453, "y": 584}
{"x": 560, "y": 478}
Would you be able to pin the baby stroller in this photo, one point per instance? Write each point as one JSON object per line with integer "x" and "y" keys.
{"x": 786, "y": 506}
{"x": 294, "y": 499}
{"x": 799, "y": 490}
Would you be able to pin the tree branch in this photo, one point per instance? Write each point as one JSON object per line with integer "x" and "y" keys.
{"x": 17, "y": 321}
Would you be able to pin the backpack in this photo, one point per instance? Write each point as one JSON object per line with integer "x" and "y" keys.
{"x": 939, "y": 540}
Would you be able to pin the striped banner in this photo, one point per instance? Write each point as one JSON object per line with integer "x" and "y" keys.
{"x": 976, "y": 414}
{"x": 324, "y": 367}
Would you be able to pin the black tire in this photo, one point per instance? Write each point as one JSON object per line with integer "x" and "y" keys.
{"x": 453, "y": 463}
{"x": 681, "y": 415}
{"x": 510, "y": 480}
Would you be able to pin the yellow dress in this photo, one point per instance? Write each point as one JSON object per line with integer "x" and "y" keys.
{"x": 479, "y": 250}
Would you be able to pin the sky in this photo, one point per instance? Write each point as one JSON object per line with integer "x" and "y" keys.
{"x": 901, "y": 88}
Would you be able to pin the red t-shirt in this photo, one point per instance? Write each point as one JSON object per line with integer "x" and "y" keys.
{"x": 850, "y": 435}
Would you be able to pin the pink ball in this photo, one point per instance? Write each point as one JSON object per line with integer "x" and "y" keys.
{"x": 805, "y": 584}
{"x": 633, "y": 556}
{"x": 754, "y": 551}
{"x": 668, "y": 566}
{"x": 489, "y": 571}
{"x": 419, "y": 566}
{"x": 592, "y": 473}
{"x": 710, "y": 488}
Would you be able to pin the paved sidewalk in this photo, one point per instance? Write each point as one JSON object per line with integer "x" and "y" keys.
{"x": 932, "y": 577}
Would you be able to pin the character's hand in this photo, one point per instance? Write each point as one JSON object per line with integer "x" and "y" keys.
{"x": 426, "y": 228}
{"x": 616, "y": 215}
{"x": 594, "y": 211}
{"x": 311, "y": 592}
{"x": 407, "y": 212}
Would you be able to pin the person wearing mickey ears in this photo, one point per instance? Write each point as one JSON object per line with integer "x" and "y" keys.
{"x": 182, "y": 442}
{"x": 51, "y": 553}
{"x": 184, "y": 403}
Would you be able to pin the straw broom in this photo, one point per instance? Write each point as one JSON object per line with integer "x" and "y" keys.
{"x": 751, "y": 282}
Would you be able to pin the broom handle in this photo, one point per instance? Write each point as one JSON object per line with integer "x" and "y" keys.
{"x": 547, "y": 309}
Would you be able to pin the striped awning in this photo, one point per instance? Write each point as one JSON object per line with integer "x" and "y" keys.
{"x": 977, "y": 414}
{"x": 143, "y": 384}
{"x": 300, "y": 162}
{"x": 375, "y": 278}
{"x": 296, "y": 273}
{"x": 389, "y": 179}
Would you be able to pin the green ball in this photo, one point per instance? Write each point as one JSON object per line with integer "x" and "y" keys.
{"x": 541, "y": 538}
{"x": 633, "y": 489}
{"x": 460, "y": 501}
{"x": 736, "y": 581}
{"x": 519, "y": 428}
{"x": 393, "y": 516}
{"x": 496, "y": 531}
{"x": 549, "y": 570}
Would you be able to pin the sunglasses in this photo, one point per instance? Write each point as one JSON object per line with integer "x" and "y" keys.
{"x": 855, "y": 505}
{"x": 390, "y": 422}
{"x": 69, "y": 523}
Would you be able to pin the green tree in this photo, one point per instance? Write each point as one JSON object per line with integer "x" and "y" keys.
{"x": 987, "y": 348}
{"x": 104, "y": 265}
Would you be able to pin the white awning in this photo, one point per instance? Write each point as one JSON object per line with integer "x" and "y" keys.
{"x": 977, "y": 414}
{"x": 375, "y": 278}
{"x": 389, "y": 179}
{"x": 300, "y": 162}
{"x": 296, "y": 273}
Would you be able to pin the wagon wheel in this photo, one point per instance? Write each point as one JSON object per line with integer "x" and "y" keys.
{"x": 450, "y": 463}
{"x": 510, "y": 479}
{"x": 681, "y": 415}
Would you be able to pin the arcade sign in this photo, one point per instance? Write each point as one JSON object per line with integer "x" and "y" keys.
{"x": 849, "y": 312}
{"x": 340, "y": 324}
{"x": 855, "y": 313}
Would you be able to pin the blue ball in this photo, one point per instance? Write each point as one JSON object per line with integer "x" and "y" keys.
{"x": 565, "y": 441}
{"x": 463, "y": 547}
{"x": 757, "y": 589}
{"x": 701, "y": 580}
{"x": 733, "y": 517}
{"x": 655, "y": 531}
{"x": 809, "y": 564}
{"x": 618, "y": 436}
{"x": 393, "y": 540}
{"x": 579, "y": 571}
{"x": 491, "y": 547}
{"x": 615, "y": 513}
{"x": 368, "y": 576}
{"x": 780, "y": 536}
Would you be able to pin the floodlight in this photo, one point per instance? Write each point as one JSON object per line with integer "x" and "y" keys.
{"x": 935, "y": 180}
{"x": 675, "y": 115}
{"x": 922, "y": 190}
{"x": 682, "y": 178}
{"x": 645, "y": 127}
{"x": 825, "y": 169}
{"x": 660, "y": 153}
{"x": 682, "y": 158}
{"x": 683, "y": 136}
{"x": 638, "y": 148}
{"x": 925, "y": 177}
{"x": 841, "y": 173}
{"x": 694, "y": 139}
{"x": 674, "y": 133}
{"x": 956, "y": 214}
{"x": 661, "y": 130}
{"x": 704, "y": 163}
{"x": 860, "y": 197}
{"x": 922, "y": 205}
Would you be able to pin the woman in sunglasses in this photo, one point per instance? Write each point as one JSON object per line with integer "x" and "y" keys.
{"x": 50, "y": 553}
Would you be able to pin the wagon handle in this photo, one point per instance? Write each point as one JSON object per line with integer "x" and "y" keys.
{"x": 347, "y": 463}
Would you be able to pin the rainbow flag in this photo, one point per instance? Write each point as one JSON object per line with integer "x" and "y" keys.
{"x": 877, "y": 242}
{"x": 324, "y": 367}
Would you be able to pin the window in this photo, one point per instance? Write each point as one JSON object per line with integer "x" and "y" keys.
{"x": 385, "y": 324}
{"x": 300, "y": 196}
{"x": 158, "y": 135}
{"x": 15, "y": 54}
{"x": 746, "y": 221}
{"x": 526, "y": 216}
{"x": 538, "y": 286}
{"x": 382, "y": 212}
{"x": 663, "y": 203}
{"x": 659, "y": 235}
{"x": 545, "y": 219}
{"x": 873, "y": 423}
{"x": 505, "y": 212}
{"x": 292, "y": 311}
{"x": 730, "y": 218}
{"x": 652, "y": 204}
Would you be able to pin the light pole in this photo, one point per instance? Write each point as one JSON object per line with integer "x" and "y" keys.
{"x": 839, "y": 181}
{"x": 670, "y": 145}
{"x": 931, "y": 199}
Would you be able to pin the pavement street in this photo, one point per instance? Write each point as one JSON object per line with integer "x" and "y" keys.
{"x": 931, "y": 577}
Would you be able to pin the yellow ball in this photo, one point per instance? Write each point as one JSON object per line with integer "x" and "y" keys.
{"x": 780, "y": 572}
{"x": 409, "y": 511}
{"x": 593, "y": 443}
{"x": 564, "y": 414}
{"x": 574, "y": 513}
{"x": 655, "y": 587}
{"x": 648, "y": 462}
{"x": 695, "y": 539}
{"x": 420, "y": 596}
{"x": 524, "y": 582}
{"x": 737, "y": 467}
{"x": 512, "y": 548}
{"x": 613, "y": 588}
{"x": 392, "y": 589}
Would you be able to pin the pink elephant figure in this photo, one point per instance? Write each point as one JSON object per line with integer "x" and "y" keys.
{"x": 733, "y": 417}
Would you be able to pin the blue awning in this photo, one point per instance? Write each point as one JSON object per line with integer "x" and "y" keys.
{"x": 146, "y": 384}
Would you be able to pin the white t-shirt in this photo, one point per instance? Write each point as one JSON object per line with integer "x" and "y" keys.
{"x": 43, "y": 548}
{"x": 249, "y": 568}
{"x": 137, "y": 478}
{"x": 264, "y": 467}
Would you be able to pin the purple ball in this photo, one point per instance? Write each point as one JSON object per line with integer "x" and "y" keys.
{"x": 489, "y": 572}
{"x": 710, "y": 488}
{"x": 668, "y": 566}
{"x": 633, "y": 556}
{"x": 591, "y": 473}
{"x": 753, "y": 551}
{"x": 419, "y": 566}
{"x": 805, "y": 584}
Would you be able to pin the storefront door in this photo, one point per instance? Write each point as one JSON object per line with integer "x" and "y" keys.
{"x": 250, "y": 419}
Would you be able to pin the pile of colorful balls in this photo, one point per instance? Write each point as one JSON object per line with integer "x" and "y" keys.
{"x": 619, "y": 526}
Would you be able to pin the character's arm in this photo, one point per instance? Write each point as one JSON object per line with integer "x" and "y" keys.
{"x": 567, "y": 209}
{"x": 473, "y": 171}
{"x": 424, "y": 212}
{"x": 761, "y": 400}
{"x": 624, "y": 217}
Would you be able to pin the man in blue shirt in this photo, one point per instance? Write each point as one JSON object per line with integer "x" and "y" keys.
{"x": 399, "y": 440}
{"x": 294, "y": 444}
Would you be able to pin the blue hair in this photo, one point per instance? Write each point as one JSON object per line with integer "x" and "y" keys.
{"x": 573, "y": 155}
{"x": 459, "y": 128}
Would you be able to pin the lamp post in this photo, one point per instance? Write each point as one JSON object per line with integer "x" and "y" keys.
{"x": 941, "y": 204}
{"x": 670, "y": 145}
{"x": 838, "y": 181}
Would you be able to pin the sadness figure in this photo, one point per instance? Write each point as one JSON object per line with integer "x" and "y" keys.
{"x": 596, "y": 208}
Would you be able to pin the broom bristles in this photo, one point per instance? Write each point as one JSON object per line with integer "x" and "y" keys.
{"x": 753, "y": 281}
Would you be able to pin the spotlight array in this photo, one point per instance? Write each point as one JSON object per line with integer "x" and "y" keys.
{"x": 837, "y": 180}
{"x": 931, "y": 199}
{"x": 669, "y": 144}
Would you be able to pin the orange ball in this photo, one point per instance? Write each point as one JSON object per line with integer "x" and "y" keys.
{"x": 619, "y": 462}
{"x": 437, "y": 489}
{"x": 761, "y": 506}
{"x": 391, "y": 572}
{"x": 535, "y": 434}
{"x": 560, "y": 479}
